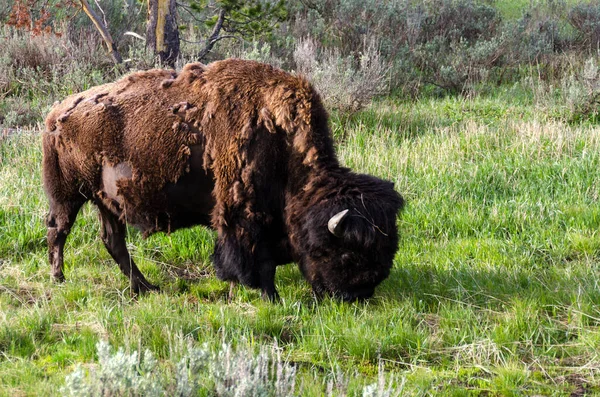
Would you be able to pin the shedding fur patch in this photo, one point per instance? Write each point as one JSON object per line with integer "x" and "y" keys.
{"x": 96, "y": 97}
{"x": 63, "y": 117}
{"x": 167, "y": 83}
{"x": 311, "y": 156}
{"x": 191, "y": 72}
{"x": 111, "y": 175}
{"x": 266, "y": 119}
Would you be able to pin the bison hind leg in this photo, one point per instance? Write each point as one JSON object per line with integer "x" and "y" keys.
{"x": 59, "y": 221}
{"x": 113, "y": 234}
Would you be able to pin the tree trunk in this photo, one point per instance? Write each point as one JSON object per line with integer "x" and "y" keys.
{"x": 110, "y": 44}
{"x": 162, "y": 34}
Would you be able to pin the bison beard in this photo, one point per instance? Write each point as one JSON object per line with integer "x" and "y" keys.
{"x": 236, "y": 145}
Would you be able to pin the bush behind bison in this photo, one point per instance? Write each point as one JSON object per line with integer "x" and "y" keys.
{"x": 236, "y": 145}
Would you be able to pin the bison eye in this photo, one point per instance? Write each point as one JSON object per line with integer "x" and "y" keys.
{"x": 347, "y": 259}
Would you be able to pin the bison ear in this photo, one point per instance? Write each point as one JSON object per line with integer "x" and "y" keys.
{"x": 335, "y": 223}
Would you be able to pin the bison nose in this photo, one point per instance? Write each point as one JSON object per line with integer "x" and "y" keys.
{"x": 359, "y": 294}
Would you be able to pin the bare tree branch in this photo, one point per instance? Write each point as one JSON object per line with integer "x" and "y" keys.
{"x": 214, "y": 36}
{"x": 190, "y": 12}
{"x": 102, "y": 12}
{"x": 114, "y": 53}
{"x": 227, "y": 36}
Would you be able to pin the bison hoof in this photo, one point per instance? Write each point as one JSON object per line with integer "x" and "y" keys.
{"x": 142, "y": 287}
{"x": 270, "y": 295}
{"x": 58, "y": 277}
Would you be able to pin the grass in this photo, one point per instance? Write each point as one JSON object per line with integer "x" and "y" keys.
{"x": 494, "y": 291}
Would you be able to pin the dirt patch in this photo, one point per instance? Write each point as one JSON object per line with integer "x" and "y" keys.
{"x": 188, "y": 272}
{"x": 579, "y": 383}
{"x": 26, "y": 296}
{"x": 95, "y": 327}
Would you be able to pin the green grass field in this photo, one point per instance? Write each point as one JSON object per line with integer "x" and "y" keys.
{"x": 494, "y": 291}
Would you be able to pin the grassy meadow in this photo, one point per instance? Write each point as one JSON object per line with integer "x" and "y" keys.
{"x": 494, "y": 291}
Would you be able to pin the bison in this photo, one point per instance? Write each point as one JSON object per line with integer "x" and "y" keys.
{"x": 237, "y": 145}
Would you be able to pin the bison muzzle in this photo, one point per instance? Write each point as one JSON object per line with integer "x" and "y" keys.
{"x": 236, "y": 145}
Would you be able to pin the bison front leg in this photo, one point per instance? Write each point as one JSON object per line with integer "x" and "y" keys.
{"x": 267, "y": 271}
{"x": 246, "y": 261}
{"x": 58, "y": 222}
{"x": 113, "y": 235}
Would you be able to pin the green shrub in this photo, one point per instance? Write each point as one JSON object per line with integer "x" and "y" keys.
{"x": 538, "y": 34}
{"x": 424, "y": 42}
{"x": 345, "y": 24}
{"x": 585, "y": 18}
{"x": 17, "y": 112}
{"x": 457, "y": 65}
{"x": 459, "y": 20}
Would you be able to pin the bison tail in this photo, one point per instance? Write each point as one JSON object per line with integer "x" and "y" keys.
{"x": 51, "y": 172}
{"x": 59, "y": 183}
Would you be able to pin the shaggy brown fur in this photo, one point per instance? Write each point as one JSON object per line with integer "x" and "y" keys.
{"x": 237, "y": 145}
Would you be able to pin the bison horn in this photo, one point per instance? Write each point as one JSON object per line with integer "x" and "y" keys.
{"x": 335, "y": 223}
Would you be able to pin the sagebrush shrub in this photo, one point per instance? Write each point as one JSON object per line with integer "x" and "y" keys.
{"x": 345, "y": 24}
{"x": 36, "y": 71}
{"x": 243, "y": 374}
{"x": 535, "y": 36}
{"x": 346, "y": 83}
{"x": 224, "y": 373}
{"x": 260, "y": 52}
{"x": 581, "y": 92}
{"x": 383, "y": 387}
{"x": 118, "y": 374}
{"x": 23, "y": 50}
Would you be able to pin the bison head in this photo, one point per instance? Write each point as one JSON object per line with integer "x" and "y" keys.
{"x": 347, "y": 240}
